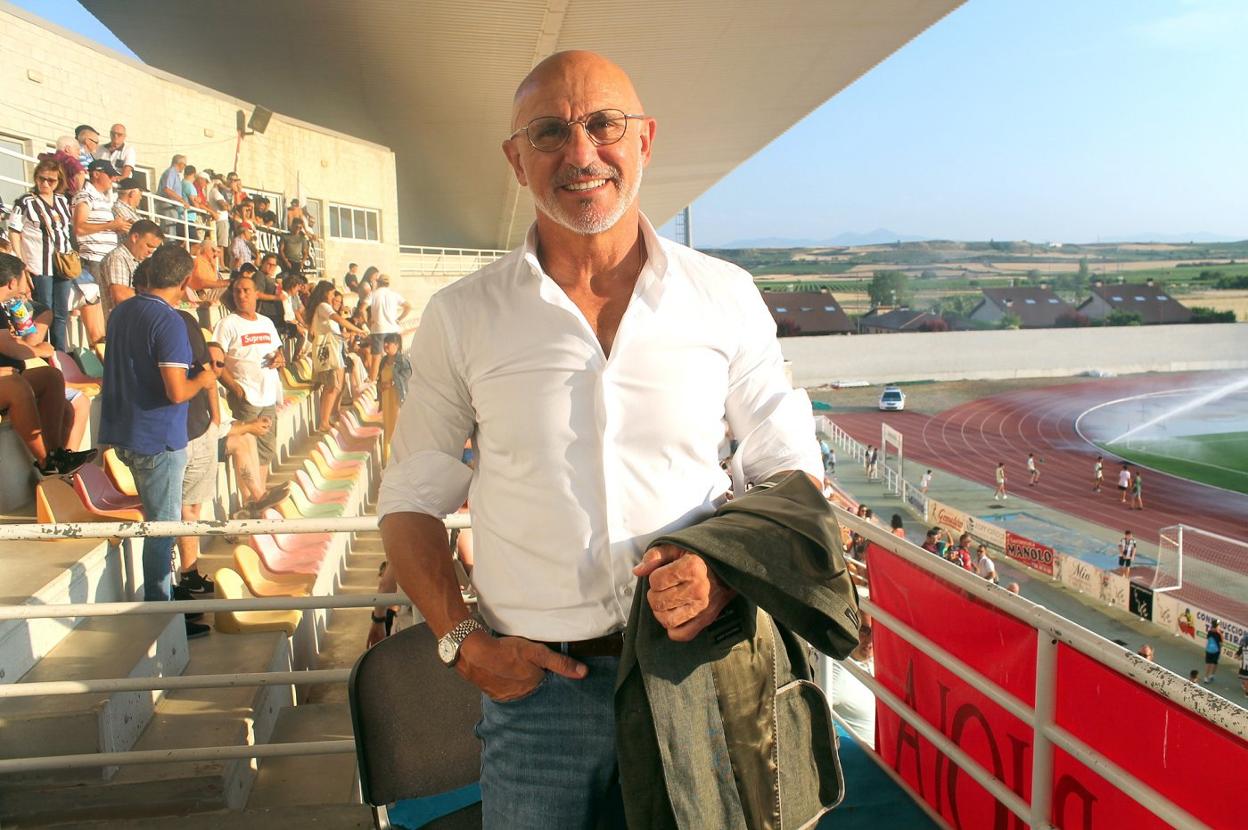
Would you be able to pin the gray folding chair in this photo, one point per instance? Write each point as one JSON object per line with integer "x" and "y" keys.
{"x": 419, "y": 760}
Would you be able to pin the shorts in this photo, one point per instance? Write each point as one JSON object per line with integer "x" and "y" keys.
{"x": 1243, "y": 673}
{"x": 83, "y": 294}
{"x": 1124, "y": 562}
{"x": 1123, "y": 487}
{"x": 1211, "y": 658}
{"x": 199, "y": 482}
{"x": 376, "y": 343}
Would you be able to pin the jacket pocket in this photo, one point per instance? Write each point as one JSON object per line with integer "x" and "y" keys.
{"x": 811, "y": 783}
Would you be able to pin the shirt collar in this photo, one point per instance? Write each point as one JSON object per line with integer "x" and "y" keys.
{"x": 656, "y": 258}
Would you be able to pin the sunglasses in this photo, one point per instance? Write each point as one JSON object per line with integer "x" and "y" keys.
{"x": 549, "y": 133}
{"x": 47, "y": 180}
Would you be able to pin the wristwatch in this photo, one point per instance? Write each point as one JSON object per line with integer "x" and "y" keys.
{"x": 448, "y": 646}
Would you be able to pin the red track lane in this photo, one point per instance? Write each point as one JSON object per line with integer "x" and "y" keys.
{"x": 971, "y": 438}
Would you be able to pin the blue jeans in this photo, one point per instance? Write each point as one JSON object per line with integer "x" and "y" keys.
{"x": 548, "y": 760}
{"x": 55, "y": 294}
{"x": 159, "y": 481}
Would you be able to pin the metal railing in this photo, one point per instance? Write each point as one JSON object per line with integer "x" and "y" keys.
{"x": 194, "y": 219}
{"x": 432, "y": 260}
{"x": 1051, "y": 630}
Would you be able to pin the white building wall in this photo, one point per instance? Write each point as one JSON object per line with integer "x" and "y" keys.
{"x": 971, "y": 355}
{"x": 52, "y": 80}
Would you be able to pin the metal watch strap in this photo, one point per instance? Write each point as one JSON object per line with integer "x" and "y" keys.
{"x": 455, "y": 637}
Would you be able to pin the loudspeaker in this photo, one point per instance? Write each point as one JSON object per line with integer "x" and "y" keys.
{"x": 259, "y": 119}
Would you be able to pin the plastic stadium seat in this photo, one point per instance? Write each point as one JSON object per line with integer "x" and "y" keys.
{"x": 317, "y": 495}
{"x": 309, "y": 476}
{"x": 291, "y": 382}
{"x": 266, "y": 583}
{"x": 320, "y": 471}
{"x": 119, "y": 473}
{"x": 58, "y": 501}
{"x": 330, "y": 463}
{"x": 75, "y": 378}
{"x": 415, "y": 770}
{"x": 297, "y": 542}
{"x": 231, "y": 586}
{"x": 310, "y": 509}
{"x": 95, "y": 489}
{"x": 306, "y": 561}
{"x": 88, "y": 361}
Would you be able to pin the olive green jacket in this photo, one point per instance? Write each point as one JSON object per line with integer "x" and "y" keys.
{"x": 728, "y": 731}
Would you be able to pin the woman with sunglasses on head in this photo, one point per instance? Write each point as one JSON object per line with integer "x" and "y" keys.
{"x": 43, "y": 240}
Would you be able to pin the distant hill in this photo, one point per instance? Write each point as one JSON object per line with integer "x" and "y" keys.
{"x": 879, "y": 236}
{"x": 1174, "y": 238}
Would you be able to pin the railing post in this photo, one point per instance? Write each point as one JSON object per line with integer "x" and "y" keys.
{"x": 1042, "y": 747}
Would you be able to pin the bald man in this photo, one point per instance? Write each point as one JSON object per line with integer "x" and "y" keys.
{"x": 594, "y": 367}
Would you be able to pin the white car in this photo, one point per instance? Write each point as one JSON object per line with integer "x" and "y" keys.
{"x": 893, "y": 399}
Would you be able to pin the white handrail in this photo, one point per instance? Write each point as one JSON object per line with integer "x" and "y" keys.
{"x": 233, "y": 527}
{"x": 173, "y": 756}
{"x": 112, "y": 685}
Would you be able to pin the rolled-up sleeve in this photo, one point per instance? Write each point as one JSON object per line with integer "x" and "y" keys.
{"x": 426, "y": 472}
{"x": 771, "y": 420}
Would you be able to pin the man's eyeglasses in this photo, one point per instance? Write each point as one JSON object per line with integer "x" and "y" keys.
{"x": 549, "y": 133}
{"x": 47, "y": 180}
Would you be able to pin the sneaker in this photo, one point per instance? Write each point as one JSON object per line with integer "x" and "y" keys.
{"x": 196, "y": 585}
{"x": 270, "y": 499}
{"x": 69, "y": 461}
{"x": 196, "y": 630}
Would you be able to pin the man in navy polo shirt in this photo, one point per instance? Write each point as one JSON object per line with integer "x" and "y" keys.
{"x": 148, "y": 378}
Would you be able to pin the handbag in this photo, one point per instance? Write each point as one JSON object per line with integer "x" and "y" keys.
{"x": 66, "y": 265}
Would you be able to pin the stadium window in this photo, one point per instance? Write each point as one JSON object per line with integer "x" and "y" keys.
{"x": 12, "y": 168}
{"x": 829, "y": 308}
{"x": 1030, "y": 301}
{"x": 1053, "y": 301}
{"x": 1162, "y": 298}
{"x": 1117, "y": 298}
{"x": 362, "y": 224}
{"x": 781, "y": 309}
{"x": 1140, "y": 299}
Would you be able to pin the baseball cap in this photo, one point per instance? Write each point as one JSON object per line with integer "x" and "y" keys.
{"x": 103, "y": 166}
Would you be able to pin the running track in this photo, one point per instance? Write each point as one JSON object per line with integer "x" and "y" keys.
{"x": 970, "y": 439}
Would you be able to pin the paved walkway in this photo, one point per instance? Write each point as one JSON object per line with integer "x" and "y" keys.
{"x": 1171, "y": 651}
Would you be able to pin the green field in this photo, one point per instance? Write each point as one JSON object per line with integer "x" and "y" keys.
{"x": 1220, "y": 459}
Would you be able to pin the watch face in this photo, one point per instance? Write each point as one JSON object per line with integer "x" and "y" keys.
{"x": 447, "y": 650}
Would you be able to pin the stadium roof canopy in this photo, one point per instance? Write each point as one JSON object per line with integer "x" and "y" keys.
{"x": 434, "y": 79}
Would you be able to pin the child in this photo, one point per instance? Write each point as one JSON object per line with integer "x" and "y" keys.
{"x": 392, "y": 377}
{"x": 925, "y": 482}
{"x": 1098, "y": 473}
{"x": 999, "y": 493}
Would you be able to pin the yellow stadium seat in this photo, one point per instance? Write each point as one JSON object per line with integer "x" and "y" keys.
{"x": 266, "y": 583}
{"x": 119, "y": 473}
{"x": 231, "y": 586}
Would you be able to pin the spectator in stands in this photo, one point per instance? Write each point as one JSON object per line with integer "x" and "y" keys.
{"x": 96, "y": 229}
{"x": 44, "y": 240}
{"x": 850, "y": 697}
{"x": 1193, "y": 676}
{"x": 269, "y": 293}
{"x": 253, "y": 354}
{"x": 984, "y": 566}
{"x": 898, "y": 528}
{"x": 88, "y": 143}
{"x": 118, "y": 266}
{"x": 960, "y": 554}
{"x": 66, "y": 155}
{"x": 1014, "y": 588}
{"x": 364, "y": 291}
{"x": 237, "y": 194}
{"x": 386, "y": 312}
{"x": 219, "y": 204}
{"x": 243, "y": 248}
{"x": 193, "y": 207}
{"x": 238, "y": 442}
{"x": 1146, "y": 651}
{"x": 351, "y": 279}
{"x": 326, "y": 327}
{"x": 205, "y": 279}
{"x": 1213, "y": 649}
{"x": 129, "y": 197}
{"x": 295, "y": 289}
{"x": 295, "y": 248}
{"x": 199, "y": 481}
{"x": 395, "y": 372}
{"x": 931, "y": 539}
{"x": 33, "y": 400}
{"x": 117, "y": 152}
{"x": 171, "y": 189}
{"x": 148, "y": 379}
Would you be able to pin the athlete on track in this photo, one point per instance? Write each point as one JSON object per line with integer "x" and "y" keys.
{"x": 1098, "y": 473}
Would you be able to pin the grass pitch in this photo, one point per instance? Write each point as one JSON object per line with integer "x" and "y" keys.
{"x": 1220, "y": 459}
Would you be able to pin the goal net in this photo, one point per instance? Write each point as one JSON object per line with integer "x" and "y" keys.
{"x": 1168, "y": 571}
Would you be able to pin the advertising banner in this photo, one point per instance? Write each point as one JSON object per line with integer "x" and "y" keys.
{"x": 950, "y": 518}
{"x": 916, "y": 500}
{"x": 1140, "y": 601}
{"x": 1114, "y": 715}
{"x": 1032, "y": 554}
{"x": 1080, "y": 576}
{"x": 1115, "y": 590}
{"x": 990, "y": 533}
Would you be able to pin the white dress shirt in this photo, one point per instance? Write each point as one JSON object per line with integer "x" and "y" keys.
{"x": 581, "y": 458}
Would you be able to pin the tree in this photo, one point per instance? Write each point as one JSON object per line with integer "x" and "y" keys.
{"x": 927, "y": 274}
{"x": 1123, "y": 318}
{"x": 888, "y": 288}
{"x": 1010, "y": 321}
{"x": 1083, "y": 268}
{"x": 1200, "y": 314}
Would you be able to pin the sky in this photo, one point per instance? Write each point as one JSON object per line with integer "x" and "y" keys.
{"x": 1045, "y": 120}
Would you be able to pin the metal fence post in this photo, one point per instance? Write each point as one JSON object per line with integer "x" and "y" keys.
{"x": 1042, "y": 747}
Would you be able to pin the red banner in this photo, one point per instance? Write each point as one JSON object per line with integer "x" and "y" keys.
{"x": 1188, "y": 760}
{"x": 1029, "y": 553}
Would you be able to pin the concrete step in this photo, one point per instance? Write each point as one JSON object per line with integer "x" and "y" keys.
{"x": 99, "y": 648}
{"x": 183, "y": 718}
{"x": 307, "y": 779}
{"x": 53, "y": 573}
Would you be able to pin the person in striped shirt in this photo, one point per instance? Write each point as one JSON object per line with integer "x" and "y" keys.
{"x": 96, "y": 228}
{"x": 42, "y": 227}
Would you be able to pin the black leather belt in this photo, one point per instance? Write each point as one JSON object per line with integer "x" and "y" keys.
{"x": 608, "y": 645}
